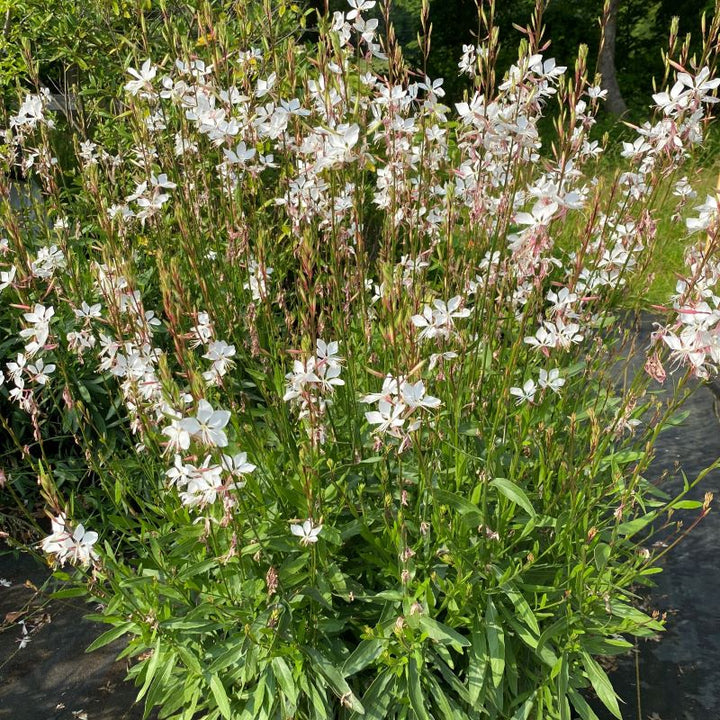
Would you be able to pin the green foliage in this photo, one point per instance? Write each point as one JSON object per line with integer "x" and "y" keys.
{"x": 293, "y": 343}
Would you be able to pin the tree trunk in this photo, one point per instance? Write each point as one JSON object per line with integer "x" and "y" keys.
{"x": 606, "y": 60}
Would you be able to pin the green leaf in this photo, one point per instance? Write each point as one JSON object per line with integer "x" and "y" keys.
{"x": 687, "y": 505}
{"x": 495, "y": 644}
{"x": 477, "y": 662}
{"x": 452, "y": 681}
{"x": 677, "y": 419}
{"x": 190, "y": 659}
{"x": 336, "y": 680}
{"x": 522, "y": 607}
{"x": 628, "y": 529}
{"x": 559, "y": 627}
{"x": 417, "y": 699}
{"x": 74, "y": 592}
{"x": 602, "y": 556}
{"x": 514, "y": 493}
{"x": 523, "y": 712}
{"x": 440, "y": 700}
{"x": 150, "y": 669}
{"x": 626, "y": 456}
{"x": 197, "y": 569}
{"x": 379, "y": 697}
{"x": 563, "y": 681}
{"x": 372, "y": 460}
{"x": 111, "y": 635}
{"x": 230, "y": 657}
{"x": 442, "y": 633}
{"x": 581, "y": 706}
{"x": 362, "y": 656}
{"x": 469, "y": 513}
{"x": 161, "y": 688}
{"x": 601, "y": 684}
{"x": 598, "y": 645}
{"x": 179, "y": 698}
{"x": 283, "y": 675}
{"x": 637, "y": 617}
{"x": 319, "y": 701}
{"x": 191, "y": 627}
{"x": 221, "y": 698}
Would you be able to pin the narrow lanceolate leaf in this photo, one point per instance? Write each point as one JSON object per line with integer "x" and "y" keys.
{"x": 477, "y": 663}
{"x": 283, "y": 675}
{"x": 601, "y": 684}
{"x": 441, "y": 702}
{"x": 362, "y": 656}
{"x": 379, "y": 697}
{"x": 335, "y": 679}
{"x": 442, "y": 633}
{"x": 581, "y": 706}
{"x": 221, "y": 698}
{"x": 524, "y": 711}
{"x": 469, "y": 512}
{"x": 110, "y": 635}
{"x": 495, "y": 644}
{"x": 151, "y": 668}
{"x": 522, "y": 607}
{"x": 563, "y": 681}
{"x": 514, "y": 493}
{"x": 417, "y": 699}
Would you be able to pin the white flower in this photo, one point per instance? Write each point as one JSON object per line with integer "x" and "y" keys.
{"x": 32, "y": 111}
{"x": 551, "y": 379}
{"x": 208, "y": 425}
{"x": 413, "y": 395}
{"x": 237, "y": 464}
{"x": 49, "y": 259}
{"x": 76, "y": 546}
{"x": 595, "y": 92}
{"x": 257, "y": 282}
{"x": 88, "y": 311}
{"x": 558, "y": 334}
{"x": 265, "y": 86}
{"x": 708, "y": 215}
{"x": 328, "y": 353}
{"x": 82, "y": 545}
{"x": 562, "y": 302}
{"x": 437, "y": 321}
{"x": 15, "y": 369}
{"x": 202, "y": 332}
{"x": 358, "y": 6}
{"x": 388, "y": 417}
{"x": 7, "y": 277}
{"x": 40, "y": 371}
{"x": 178, "y": 436}
{"x": 307, "y": 532}
{"x": 221, "y": 355}
{"x": 24, "y": 640}
{"x": 390, "y": 387}
{"x": 39, "y": 319}
{"x": 143, "y": 79}
{"x": 526, "y": 393}
{"x": 302, "y": 375}
{"x": 240, "y": 155}
{"x": 202, "y": 484}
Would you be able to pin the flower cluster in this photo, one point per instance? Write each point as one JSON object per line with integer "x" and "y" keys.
{"x": 311, "y": 383}
{"x": 67, "y": 545}
{"x": 396, "y": 402}
{"x": 694, "y": 338}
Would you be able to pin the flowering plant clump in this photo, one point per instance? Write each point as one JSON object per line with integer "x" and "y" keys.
{"x": 336, "y": 362}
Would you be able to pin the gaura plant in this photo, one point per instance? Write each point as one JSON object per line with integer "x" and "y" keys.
{"x": 339, "y": 366}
